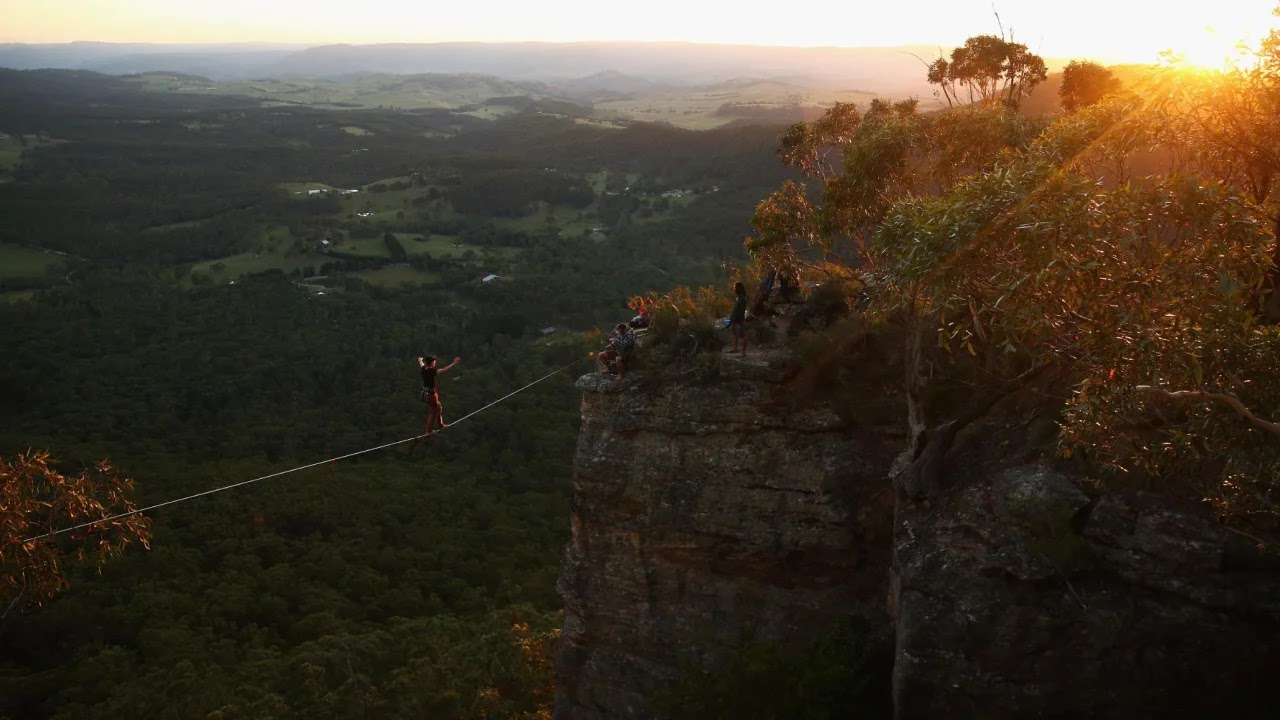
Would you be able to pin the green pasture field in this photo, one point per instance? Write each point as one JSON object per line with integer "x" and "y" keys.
{"x": 696, "y": 109}
{"x": 14, "y": 296}
{"x": 437, "y": 246}
{"x": 235, "y": 266}
{"x": 393, "y": 276}
{"x": 489, "y": 112}
{"x": 12, "y": 147}
{"x": 381, "y": 202}
{"x": 160, "y": 82}
{"x": 607, "y": 123}
{"x": 20, "y": 262}
{"x": 296, "y": 188}
{"x": 566, "y": 219}
{"x": 440, "y": 246}
{"x": 270, "y": 254}
{"x": 9, "y": 158}
{"x": 597, "y": 180}
{"x": 408, "y": 92}
{"x": 201, "y": 126}
{"x": 364, "y": 247}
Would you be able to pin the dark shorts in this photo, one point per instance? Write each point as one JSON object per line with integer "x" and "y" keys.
{"x": 739, "y": 329}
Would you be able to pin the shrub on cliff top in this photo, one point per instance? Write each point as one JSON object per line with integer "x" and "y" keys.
{"x": 685, "y": 322}
{"x": 1128, "y": 250}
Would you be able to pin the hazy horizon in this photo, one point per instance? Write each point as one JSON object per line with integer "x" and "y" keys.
{"x": 1106, "y": 31}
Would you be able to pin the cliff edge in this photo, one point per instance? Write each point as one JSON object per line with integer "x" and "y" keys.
{"x": 706, "y": 513}
{"x": 715, "y": 509}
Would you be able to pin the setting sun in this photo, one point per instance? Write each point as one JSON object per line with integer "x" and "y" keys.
{"x": 913, "y": 359}
{"x": 1212, "y": 49}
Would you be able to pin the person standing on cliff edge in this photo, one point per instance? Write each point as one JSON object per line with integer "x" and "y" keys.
{"x": 431, "y": 392}
{"x": 738, "y": 318}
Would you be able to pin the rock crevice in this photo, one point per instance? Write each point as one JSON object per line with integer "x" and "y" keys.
{"x": 1022, "y": 595}
{"x": 707, "y": 513}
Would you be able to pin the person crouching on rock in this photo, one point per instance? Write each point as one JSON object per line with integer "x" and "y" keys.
{"x": 622, "y": 345}
{"x": 642, "y": 319}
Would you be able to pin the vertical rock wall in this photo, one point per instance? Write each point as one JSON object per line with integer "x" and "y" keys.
{"x": 704, "y": 514}
{"x": 709, "y": 512}
{"x": 1021, "y": 596}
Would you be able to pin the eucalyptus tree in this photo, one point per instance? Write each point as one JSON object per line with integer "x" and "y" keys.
{"x": 1086, "y": 83}
{"x": 1009, "y": 251}
{"x": 988, "y": 69}
{"x": 37, "y": 500}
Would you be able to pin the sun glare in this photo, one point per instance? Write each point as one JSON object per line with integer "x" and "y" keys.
{"x": 1210, "y": 53}
{"x": 1202, "y": 34}
{"x": 1213, "y": 50}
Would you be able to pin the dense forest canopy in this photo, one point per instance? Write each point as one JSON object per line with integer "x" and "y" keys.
{"x": 205, "y": 289}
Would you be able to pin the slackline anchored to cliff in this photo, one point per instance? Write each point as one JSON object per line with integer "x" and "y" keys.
{"x": 300, "y": 467}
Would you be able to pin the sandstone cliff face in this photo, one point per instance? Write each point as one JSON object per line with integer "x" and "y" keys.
{"x": 1021, "y": 596}
{"x": 704, "y": 514}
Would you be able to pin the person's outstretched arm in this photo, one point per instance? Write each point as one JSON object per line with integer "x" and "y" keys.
{"x": 449, "y": 367}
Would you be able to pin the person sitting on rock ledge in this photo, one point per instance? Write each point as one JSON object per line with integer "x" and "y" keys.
{"x": 621, "y": 346}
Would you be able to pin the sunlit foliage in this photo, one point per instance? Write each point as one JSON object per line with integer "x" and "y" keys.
{"x": 988, "y": 70}
{"x": 1126, "y": 250}
{"x": 37, "y": 499}
{"x": 1086, "y": 83}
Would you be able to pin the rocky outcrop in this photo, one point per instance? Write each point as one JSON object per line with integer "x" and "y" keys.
{"x": 712, "y": 507}
{"x": 1023, "y": 596}
{"x": 706, "y": 513}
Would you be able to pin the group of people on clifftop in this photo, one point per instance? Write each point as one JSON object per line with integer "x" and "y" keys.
{"x": 620, "y": 346}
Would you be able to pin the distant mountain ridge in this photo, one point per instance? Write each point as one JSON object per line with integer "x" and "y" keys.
{"x": 610, "y": 80}
{"x": 590, "y": 66}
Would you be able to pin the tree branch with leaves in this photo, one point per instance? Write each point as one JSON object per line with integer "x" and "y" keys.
{"x": 35, "y": 500}
{"x": 1004, "y": 242}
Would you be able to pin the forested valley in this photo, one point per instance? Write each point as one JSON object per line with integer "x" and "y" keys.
{"x": 208, "y": 289}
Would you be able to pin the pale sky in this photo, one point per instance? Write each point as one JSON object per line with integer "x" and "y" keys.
{"x": 1108, "y": 30}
